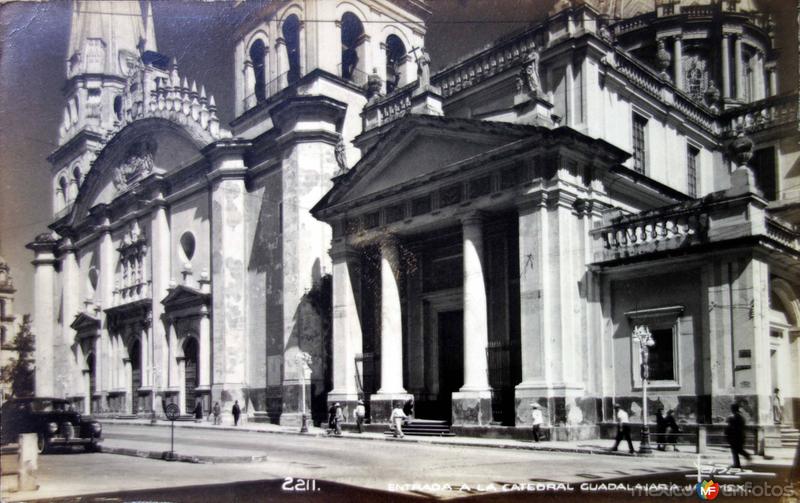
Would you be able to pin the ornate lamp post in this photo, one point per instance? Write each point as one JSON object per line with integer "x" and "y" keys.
{"x": 641, "y": 334}
{"x": 303, "y": 360}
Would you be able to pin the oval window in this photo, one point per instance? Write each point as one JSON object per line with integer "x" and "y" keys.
{"x": 187, "y": 245}
{"x": 94, "y": 276}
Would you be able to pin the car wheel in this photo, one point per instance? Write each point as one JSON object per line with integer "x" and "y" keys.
{"x": 42, "y": 444}
{"x": 92, "y": 446}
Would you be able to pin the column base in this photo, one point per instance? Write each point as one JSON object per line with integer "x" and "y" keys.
{"x": 562, "y": 404}
{"x": 472, "y": 408}
{"x": 227, "y": 395}
{"x": 381, "y": 405}
{"x": 348, "y": 401}
{"x": 291, "y": 402}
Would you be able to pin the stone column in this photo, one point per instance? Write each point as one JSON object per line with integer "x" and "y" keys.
{"x": 761, "y": 88}
{"x": 204, "y": 350}
{"x": 347, "y": 337}
{"x": 129, "y": 392}
{"x": 160, "y": 260}
{"x": 391, "y": 393}
{"x": 172, "y": 364}
{"x": 726, "y": 66}
{"x": 472, "y": 404}
{"x": 677, "y": 58}
{"x": 229, "y": 282}
{"x": 738, "y": 67}
{"x": 282, "y": 64}
{"x": 44, "y": 313}
{"x": 773, "y": 81}
{"x": 66, "y": 366}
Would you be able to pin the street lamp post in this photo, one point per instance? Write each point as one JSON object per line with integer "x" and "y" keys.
{"x": 641, "y": 334}
{"x": 303, "y": 360}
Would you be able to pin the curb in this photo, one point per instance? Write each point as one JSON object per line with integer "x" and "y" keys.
{"x": 429, "y": 441}
{"x": 163, "y": 455}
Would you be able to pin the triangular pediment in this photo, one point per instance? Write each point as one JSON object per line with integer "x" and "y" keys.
{"x": 418, "y": 148}
{"x": 183, "y": 296}
{"x": 84, "y": 322}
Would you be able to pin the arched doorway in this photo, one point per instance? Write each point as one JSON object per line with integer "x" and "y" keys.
{"x": 136, "y": 375}
{"x": 395, "y": 57}
{"x": 190, "y": 380}
{"x": 352, "y": 40}
{"x": 291, "y": 36}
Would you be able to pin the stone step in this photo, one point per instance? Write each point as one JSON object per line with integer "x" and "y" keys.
{"x": 9, "y": 482}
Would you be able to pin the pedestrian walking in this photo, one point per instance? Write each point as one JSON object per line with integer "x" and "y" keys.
{"x": 359, "y": 414}
{"x": 672, "y": 429}
{"x": 777, "y": 406}
{"x": 623, "y": 428}
{"x": 198, "y": 411}
{"x": 236, "y": 411}
{"x": 216, "y": 410}
{"x": 331, "y": 419}
{"x": 538, "y": 419}
{"x": 661, "y": 429}
{"x": 396, "y": 419}
{"x": 338, "y": 419}
{"x": 734, "y": 432}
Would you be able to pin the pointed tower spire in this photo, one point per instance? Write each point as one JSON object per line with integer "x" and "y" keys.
{"x": 101, "y": 32}
{"x": 150, "y": 30}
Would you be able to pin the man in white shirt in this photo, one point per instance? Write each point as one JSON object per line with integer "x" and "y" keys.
{"x": 397, "y": 419}
{"x": 359, "y": 414}
{"x": 623, "y": 428}
{"x": 538, "y": 419}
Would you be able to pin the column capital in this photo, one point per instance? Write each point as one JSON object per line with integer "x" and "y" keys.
{"x": 344, "y": 251}
{"x": 475, "y": 217}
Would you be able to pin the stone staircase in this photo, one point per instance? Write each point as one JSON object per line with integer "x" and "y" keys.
{"x": 425, "y": 427}
{"x": 790, "y": 437}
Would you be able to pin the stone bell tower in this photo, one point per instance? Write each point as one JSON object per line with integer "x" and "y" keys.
{"x": 107, "y": 42}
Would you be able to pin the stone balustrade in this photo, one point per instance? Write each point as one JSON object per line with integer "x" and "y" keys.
{"x": 771, "y": 112}
{"x": 389, "y": 108}
{"x": 719, "y": 217}
{"x": 783, "y": 234}
{"x": 652, "y": 231}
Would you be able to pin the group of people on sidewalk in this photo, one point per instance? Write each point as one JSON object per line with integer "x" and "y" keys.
{"x": 216, "y": 411}
{"x": 396, "y": 420}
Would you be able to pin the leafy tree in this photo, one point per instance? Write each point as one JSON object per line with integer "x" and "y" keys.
{"x": 19, "y": 372}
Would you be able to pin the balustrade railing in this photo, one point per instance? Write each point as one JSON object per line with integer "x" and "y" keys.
{"x": 783, "y": 234}
{"x": 763, "y": 114}
{"x": 389, "y": 108}
{"x": 652, "y": 231}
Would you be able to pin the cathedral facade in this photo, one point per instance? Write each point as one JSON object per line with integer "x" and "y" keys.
{"x": 606, "y": 197}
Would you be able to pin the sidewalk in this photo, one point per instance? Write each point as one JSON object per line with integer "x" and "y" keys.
{"x": 205, "y": 454}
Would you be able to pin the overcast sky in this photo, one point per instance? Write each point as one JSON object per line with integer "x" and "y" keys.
{"x": 34, "y": 39}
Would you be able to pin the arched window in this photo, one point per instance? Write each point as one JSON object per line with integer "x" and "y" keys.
{"x": 257, "y": 53}
{"x": 118, "y": 107}
{"x": 352, "y": 38}
{"x": 76, "y": 182}
{"x": 291, "y": 35}
{"x": 395, "y": 55}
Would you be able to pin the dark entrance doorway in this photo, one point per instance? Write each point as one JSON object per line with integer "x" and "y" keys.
{"x": 90, "y": 363}
{"x": 190, "y": 351}
{"x": 450, "y": 331}
{"x": 135, "y": 354}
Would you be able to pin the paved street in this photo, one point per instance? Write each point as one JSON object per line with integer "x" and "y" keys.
{"x": 396, "y": 467}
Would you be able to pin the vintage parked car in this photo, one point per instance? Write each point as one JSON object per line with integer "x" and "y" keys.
{"x": 52, "y": 419}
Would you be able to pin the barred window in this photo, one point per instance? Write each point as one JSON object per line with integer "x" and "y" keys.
{"x": 691, "y": 166}
{"x": 639, "y": 125}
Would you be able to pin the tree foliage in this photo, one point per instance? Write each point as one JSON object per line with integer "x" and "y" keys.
{"x": 19, "y": 372}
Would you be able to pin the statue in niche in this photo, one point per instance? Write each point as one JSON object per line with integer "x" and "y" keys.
{"x": 139, "y": 162}
{"x": 528, "y": 80}
{"x": 341, "y": 157}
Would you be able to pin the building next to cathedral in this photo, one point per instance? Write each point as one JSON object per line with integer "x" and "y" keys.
{"x": 505, "y": 231}
{"x": 8, "y": 325}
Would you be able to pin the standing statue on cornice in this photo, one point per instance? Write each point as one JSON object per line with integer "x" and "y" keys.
{"x": 424, "y": 69}
{"x": 528, "y": 80}
{"x": 340, "y": 154}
